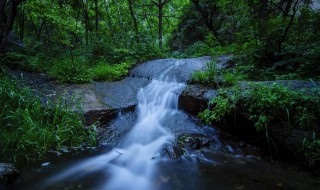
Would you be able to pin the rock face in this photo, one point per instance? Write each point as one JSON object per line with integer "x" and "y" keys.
{"x": 8, "y": 174}
{"x": 195, "y": 98}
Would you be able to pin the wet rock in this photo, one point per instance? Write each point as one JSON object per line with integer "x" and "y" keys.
{"x": 8, "y": 174}
{"x": 194, "y": 141}
{"x": 187, "y": 145}
{"x": 180, "y": 69}
{"x": 171, "y": 151}
{"x": 102, "y": 116}
{"x": 225, "y": 62}
{"x": 195, "y": 98}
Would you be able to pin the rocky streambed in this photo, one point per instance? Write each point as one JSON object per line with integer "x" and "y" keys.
{"x": 206, "y": 154}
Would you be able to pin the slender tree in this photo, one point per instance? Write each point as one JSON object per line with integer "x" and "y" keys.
{"x": 135, "y": 22}
{"x": 160, "y": 6}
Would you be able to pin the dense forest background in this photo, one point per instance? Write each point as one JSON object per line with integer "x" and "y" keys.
{"x": 79, "y": 41}
{"x": 85, "y": 40}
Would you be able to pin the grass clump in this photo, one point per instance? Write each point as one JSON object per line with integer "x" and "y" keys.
{"x": 208, "y": 76}
{"x": 28, "y": 129}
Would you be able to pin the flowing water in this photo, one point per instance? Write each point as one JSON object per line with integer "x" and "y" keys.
{"x": 137, "y": 162}
{"x": 132, "y": 165}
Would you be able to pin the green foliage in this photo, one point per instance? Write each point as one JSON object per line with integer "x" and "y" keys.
{"x": 145, "y": 52}
{"x": 196, "y": 50}
{"x": 29, "y": 129}
{"x": 110, "y": 72}
{"x": 313, "y": 152}
{"x": 219, "y": 106}
{"x": 217, "y": 77}
{"x": 267, "y": 104}
{"x": 208, "y": 76}
{"x": 66, "y": 70}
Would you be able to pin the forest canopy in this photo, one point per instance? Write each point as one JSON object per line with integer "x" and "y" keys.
{"x": 83, "y": 34}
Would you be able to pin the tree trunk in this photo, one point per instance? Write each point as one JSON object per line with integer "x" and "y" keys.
{"x": 160, "y": 17}
{"x": 285, "y": 33}
{"x": 135, "y": 22}
{"x": 97, "y": 14}
{"x": 8, "y": 20}
{"x": 3, "y": 16}
{"x": 22, "y": 19}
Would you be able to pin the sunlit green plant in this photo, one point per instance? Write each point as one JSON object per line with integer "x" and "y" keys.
{"x": 208, "y": 76}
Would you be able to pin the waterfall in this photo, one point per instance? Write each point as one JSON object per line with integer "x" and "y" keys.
{"x": 133, "y": 163}
{"x": 134, "y": 168}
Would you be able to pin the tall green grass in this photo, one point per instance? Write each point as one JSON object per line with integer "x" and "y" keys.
{"x": 28, "y": 128}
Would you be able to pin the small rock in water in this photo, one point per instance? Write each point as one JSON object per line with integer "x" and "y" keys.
{"x": 172, "y": 151}
{"x": 194, "y": 141}
{"x": 64, "y": 150}
{"x": 45, "y": 164}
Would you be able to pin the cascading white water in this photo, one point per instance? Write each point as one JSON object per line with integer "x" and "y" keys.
{"x": 136, "y": 164}
{"x": 132, "y": 164}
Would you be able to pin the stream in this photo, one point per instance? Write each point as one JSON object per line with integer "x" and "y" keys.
{"x": 139, "y": 146}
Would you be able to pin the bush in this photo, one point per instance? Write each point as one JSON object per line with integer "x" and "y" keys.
{"x": 110, "y": 72}
{"x": 64, "y": 70}
{"x": 267, "y": 105}
{"x": 145, "y": 52}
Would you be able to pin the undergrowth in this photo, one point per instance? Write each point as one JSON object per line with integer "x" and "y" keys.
{"x": 271, "y": 105}
{"x": 97, "y": 62}
{"x": 267, "y": 104}
{"x": 29, "y": 128}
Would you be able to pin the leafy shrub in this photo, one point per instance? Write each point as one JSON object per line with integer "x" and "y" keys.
{"x": 12, "y": 59}
{"x": 29, "y": 129}
{"x": 219, "y": 106}
{"x": 197, "y": 49}
{"x": 110, "y": 72}
{"x": 144, "y": 52}
{"x": 268, "y": 104}
{"x": 64, "y": 70}
{"x": 313, "y": 152}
